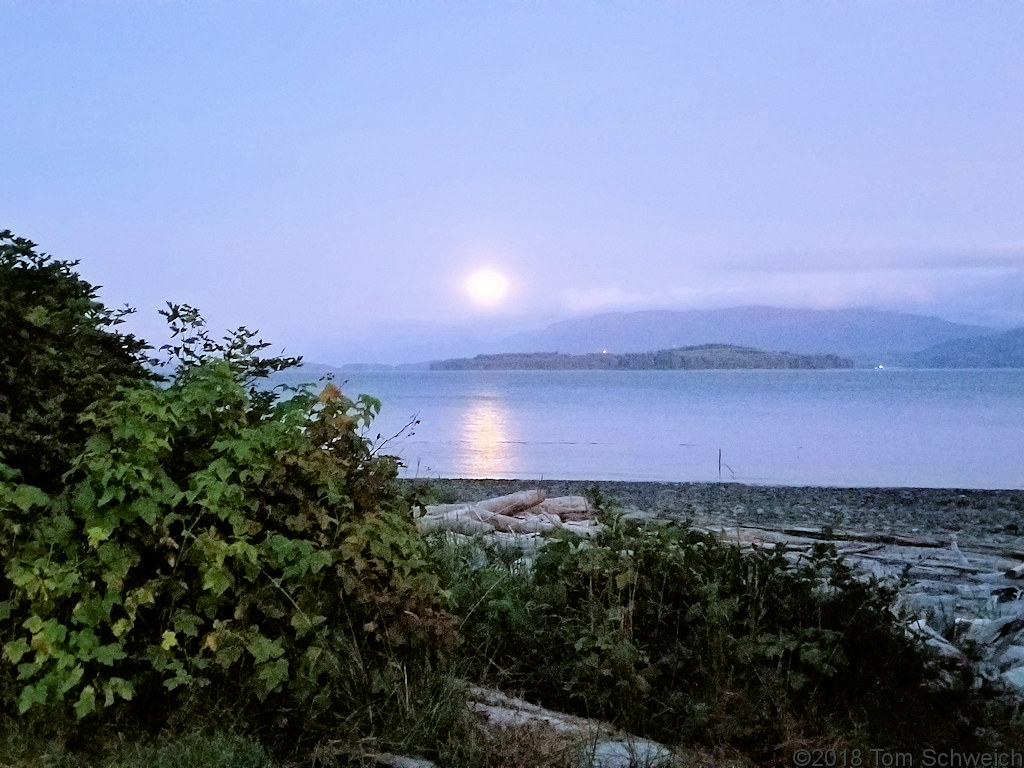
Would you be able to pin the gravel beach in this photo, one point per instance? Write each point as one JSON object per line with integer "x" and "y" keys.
{"x": 995, "y": 516}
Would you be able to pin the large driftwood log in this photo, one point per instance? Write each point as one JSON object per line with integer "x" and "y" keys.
{"x": 463, "y": 520}
{"x": 436, "y": 510}
{"x": 513, "y": 503}
{"x": 513, "y": 513}
{"x": 566, "y": 507}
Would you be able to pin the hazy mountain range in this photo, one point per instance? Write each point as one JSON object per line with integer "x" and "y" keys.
{"x": 869, "y": 337}
{"x": 1001, "y": 350}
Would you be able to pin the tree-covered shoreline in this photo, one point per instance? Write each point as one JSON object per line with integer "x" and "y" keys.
{"x": 697, "y": 358}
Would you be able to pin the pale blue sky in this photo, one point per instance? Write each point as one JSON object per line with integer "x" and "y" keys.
{"x": 331, "y": 172}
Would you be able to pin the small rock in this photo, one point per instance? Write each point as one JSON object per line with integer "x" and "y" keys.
{"x": 978, "y": 631}
{"x": 936, "y": 641}
{"x": 996, "y": 636}
{"x": 629, "y": 753}
{"x": 1011, "y": 657}
{"x": 1014, "y": 678}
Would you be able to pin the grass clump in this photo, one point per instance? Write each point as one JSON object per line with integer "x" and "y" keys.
{"x": 22, "y": 747}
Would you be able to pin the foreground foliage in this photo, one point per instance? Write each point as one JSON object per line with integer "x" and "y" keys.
{"x": 59, "y": 355}
{"x": 203, "y": 554}
{"x": 671, "y": 634}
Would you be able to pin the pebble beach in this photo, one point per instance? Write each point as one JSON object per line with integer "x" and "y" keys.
{"x": 991, "y": 516}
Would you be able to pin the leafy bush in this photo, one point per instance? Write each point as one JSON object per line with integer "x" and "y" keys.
{"x": 58, "y": 357}
{"x": 671, "y": 634}
{"x": 205, "y": 554}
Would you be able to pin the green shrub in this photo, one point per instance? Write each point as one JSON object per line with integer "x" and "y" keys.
{"x": 58, "y": 356}
{"x": 208, "y": 556}
{"x": 672, "y": 634}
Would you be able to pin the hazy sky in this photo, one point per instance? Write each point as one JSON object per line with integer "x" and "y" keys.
{"x": 333, "y": 172}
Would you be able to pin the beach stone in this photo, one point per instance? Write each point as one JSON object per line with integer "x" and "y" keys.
{"x": 629, "y": 753}
{"x": 1002, "y": 630}
{"x": 500, "y": 710}
{"x": 937, "y": 642}
{"x": 1014, "y": 678}
{"x": 977, "y": 631}
{"x": 610, "y": 749}
{"x": 1011, "y": 657}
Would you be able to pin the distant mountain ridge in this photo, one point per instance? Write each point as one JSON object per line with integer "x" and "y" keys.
{"x": 1001, "y": 350}
{"x": 703, "y": 357}
{"x": 868, "y": 336}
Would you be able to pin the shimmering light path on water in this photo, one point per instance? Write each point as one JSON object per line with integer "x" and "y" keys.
{"x": 888, "y": 427}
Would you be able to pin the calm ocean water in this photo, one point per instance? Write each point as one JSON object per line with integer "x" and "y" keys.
{"x": 909, "y": 428}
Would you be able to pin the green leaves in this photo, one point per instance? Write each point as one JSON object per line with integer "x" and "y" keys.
{"x": 60, "y": 358}
{"x": 205, "y": 535}
{"x": 15, "y": 650}
{"x": 202, "y": 540}
{"x": 86, "y": 703}
{"x": 271, "y": 675}
{"x": 25, "y": 498}
{"x": 263, "y": 648}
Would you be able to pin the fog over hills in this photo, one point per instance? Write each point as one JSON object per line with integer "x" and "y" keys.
{"x": 862, "y": 334}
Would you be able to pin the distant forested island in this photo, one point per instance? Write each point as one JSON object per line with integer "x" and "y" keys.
{"x": 703, "y": 357}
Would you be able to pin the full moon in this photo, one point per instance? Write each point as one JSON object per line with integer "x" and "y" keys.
{"x": 487, "y": 287}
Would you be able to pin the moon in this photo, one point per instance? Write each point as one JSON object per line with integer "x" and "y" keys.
{"x": 487, "y": 287}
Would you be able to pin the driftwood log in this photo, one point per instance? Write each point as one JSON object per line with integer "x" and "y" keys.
{"x": 519, "y": 513}
{"x": 513, "y": 503}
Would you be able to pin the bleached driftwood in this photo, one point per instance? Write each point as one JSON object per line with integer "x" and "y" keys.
{"x": 463, "y": 519}
{"x": 566, "y": 507}
{"x": 519, "y": 513}
{"x": 513, "y": 503}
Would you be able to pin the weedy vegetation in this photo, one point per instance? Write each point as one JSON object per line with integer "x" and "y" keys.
{"x": 669, "y": 634}
{"x": 200, "y": 571}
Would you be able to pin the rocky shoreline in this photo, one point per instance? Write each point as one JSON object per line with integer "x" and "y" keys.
{"x": 976, "y": 516}
{"x": 955, "y": 556}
